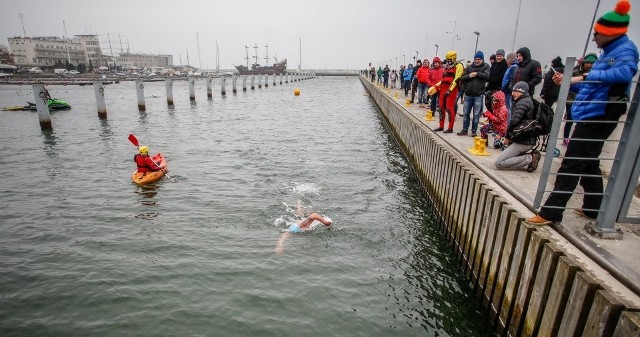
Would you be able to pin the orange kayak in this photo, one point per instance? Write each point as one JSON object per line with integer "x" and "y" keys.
{"x": 149, "y": 177}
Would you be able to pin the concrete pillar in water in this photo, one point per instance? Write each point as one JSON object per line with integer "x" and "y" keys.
{"x": 40, "y": 96}
{"x": 192, "y": 88}
{"x": 253, "y": 77}
{"x": 286, "y": 78}
{"x": 280, "y": 78}
{"x": 223, "y": 85}
{"x": 244, "y": 82}
{"x": 98, "y": 87}
{"x": 274, "y": 79}
{"x": 234, "y": 81}
{"x": 140, "y": 92}
{"x": 168, "y": 85}
{"x": 260, "y": 81}
{"x": 266, "y": 80}
{"x": 209, "y": 91}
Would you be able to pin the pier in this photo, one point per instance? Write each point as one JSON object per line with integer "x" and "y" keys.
{"x": 533, "y": 281}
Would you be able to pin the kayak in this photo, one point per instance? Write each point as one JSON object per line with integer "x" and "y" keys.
{"x": 149, "y": 177}
{"x": 54, "y": 104}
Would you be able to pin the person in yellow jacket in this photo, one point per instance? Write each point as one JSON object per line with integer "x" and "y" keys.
{"x": 448, "y": 88}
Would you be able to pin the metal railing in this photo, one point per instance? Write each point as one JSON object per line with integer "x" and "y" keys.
{"x": 625, "y": 168}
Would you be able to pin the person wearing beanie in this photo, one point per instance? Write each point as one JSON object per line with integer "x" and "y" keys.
{"x": 584, "y": 68}
{"x": 414, "y": 80}
{"x": 514, "y": 157}
{"x": 492, "y": 59}
{"x": 496, "y": 74}
{"x": 512, "y": 66}
{"x": 474, "y": 79}
{"x": 550, "y": 90}
{"x": 528, "y": 70}
{"x": 600, "y": 100}
{"x": 435, "y": 76}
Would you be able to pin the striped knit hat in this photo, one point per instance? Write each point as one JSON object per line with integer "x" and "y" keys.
{"x": 616, "y": 22}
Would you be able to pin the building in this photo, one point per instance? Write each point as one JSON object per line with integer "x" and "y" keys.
{"x": 91, "y": 45}
{"x": 134, "y": 60}
{"x": 45, "y": 52}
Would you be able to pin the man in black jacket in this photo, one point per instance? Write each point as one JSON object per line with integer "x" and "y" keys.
{"x": 529, "y": 71}
{"x": 474, "y": 79}
{"x": 498, "y": 68}
{"x": 550, "y": 90}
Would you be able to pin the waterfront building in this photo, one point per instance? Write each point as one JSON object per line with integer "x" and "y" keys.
{"x": 46, "y": 52}
{"x": 139, "y": 60}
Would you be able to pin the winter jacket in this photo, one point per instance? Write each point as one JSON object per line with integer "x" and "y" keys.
{"x": 435, "y": 75}
{"x": 145, "y": 164}
{"x": 474, "y": 86}
{"x": 496, "y": 74}
{"x": 521, "y": 110}
{"x": 423, "y": 74}
{"x": 408, "y": 73}
{"x": 550, "y": 88}
{"x": 528, "y": 71}
{"x": 393, "y": 76}
{"x": 614, "y": 70}
{"x": 500, "y": 114}
{"x": 508, "y": 75}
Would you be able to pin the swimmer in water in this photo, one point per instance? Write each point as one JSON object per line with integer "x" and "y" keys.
{"x": 300, "y": 226}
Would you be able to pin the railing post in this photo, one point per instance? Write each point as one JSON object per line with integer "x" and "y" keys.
{"x": 98, "y": 87}
{"x": 140, "y": 92}
{"x": 40, "y": 96}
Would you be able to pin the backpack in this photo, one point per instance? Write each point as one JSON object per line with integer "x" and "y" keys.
{"x": 540, "y": 125}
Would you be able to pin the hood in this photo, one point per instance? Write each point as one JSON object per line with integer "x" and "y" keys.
{"x": 499, "y": 100}
{"x": 436, "y": 59}
{"x": 526, "y": 54}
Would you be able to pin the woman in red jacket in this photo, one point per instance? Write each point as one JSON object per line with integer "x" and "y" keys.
{"x": 144, "y": 162}
{"x": 435, "y": 76}
{"x": 423, "y": 82}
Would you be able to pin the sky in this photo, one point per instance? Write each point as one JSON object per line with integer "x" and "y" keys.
{"x": 329, "y": 34}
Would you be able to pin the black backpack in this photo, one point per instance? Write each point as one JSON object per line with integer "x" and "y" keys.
{"x": 539, "y": 125}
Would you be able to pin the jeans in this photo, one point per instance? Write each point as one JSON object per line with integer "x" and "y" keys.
{"x": 434, "y": 102}
{"x": 476, "y": 103}
{"x": 512, "y": 158}
{"x": 422, "y": 92}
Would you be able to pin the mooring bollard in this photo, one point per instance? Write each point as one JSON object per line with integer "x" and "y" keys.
{"x": 266, "y": 80}
{"x": 140, "y": 92}
{"x": 253, "y": 77}
{"x": 244, "y": 82}
{"x": 192, "y": 88}
{"x": 209, "y": 91}
{"x": 234, "y": 80}
{"x": 98, "y": 87}
{"x": 40, "y": 95}
{"x": 260, "y": 81}
{"x": 223, "y": 85}
{"x": 168, "y": 85}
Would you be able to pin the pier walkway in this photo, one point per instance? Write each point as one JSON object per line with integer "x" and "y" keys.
{"x": 614, "y": 263}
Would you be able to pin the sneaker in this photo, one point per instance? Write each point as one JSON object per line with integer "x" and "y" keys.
{"x": 473, "y": 134}
{"x": 535, "y": 158}
{"x": 438, "y": 129}
{"x": 537, "y": 220}
{"x": 462, "y": 133}
{"x": 448, "y": 131}
{"x": 582, "y": 214}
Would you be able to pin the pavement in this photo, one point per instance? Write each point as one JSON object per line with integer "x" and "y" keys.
{"x": 621, "y": 258}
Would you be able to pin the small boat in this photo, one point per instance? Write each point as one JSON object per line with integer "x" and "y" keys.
{"x": 149, "y": 177}
{"x": 54, "y": 104}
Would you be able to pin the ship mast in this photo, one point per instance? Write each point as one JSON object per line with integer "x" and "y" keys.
{"x": 266, "y": 58}
{"x": 255, "y": 46}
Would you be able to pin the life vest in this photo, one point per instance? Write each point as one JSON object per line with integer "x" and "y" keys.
{"x": 448, "y": 75}
{"x": 141, "y": 163}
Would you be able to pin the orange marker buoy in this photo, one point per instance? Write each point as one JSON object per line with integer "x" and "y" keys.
{"x": 296, "y": 92}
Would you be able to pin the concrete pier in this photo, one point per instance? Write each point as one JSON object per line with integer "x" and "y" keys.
{"x": 532, "y": 280}
{"x": 40, "y": 96}
{"x": 140, "y": 94}
{"x": 98, "y": 88}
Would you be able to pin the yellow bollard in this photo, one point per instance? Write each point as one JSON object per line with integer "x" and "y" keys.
{"x": 429, "y": 115}
{"x": 479, "y": 147}
{"x": 395, "y": 95}
{"x": 407, "y": 102}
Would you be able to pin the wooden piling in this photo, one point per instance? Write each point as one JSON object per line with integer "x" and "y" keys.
{"x": 140, "y": 93}
{"x": 168, "y": 85}
{"x": 253, "y": 78}
{"x": 192, "y": 88}
{"x": 40, "y": 96}
{"x": 234, "y": 81}
{"x": 209, "y": 91}
{"x": 244, "y": 82}
{"x": 266, "y": 80}
{"x": 98, "y": 88}
{"x": 223, "y": 85}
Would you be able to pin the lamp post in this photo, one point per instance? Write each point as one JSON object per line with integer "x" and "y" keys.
{"x": 436, "y": 49}
{"x": 416, "y": 55}
{"x": 477, "y": 37}
{"x": 453, "y": 34}
{"x": 515, "y": 31}
{"x": 404, "y": 59}
{"x": 396, "y": 63}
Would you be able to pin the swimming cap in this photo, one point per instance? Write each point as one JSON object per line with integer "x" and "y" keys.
{"x": 294, "y": 228}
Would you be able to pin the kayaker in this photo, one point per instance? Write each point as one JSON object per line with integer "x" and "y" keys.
{"x": 300, "y": 226}
{"x": 144, "y": 162}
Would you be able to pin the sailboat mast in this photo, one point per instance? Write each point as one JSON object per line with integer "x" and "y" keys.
{"x": 255, "y": 46}
{"x": 64, "y": 26}
{"x": 199, "y": 58}
{"x": 217, "y": 56}
{"x": 266, "y": 58}
{"x": 300, "y": 64}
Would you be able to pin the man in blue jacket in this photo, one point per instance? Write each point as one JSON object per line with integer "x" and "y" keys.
{"x": 603, "y": 99}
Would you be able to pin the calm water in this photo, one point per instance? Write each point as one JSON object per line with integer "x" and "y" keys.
{"x": 84, "y": 252}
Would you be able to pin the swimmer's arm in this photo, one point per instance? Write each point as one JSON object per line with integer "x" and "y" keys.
{"x": 280, "y": 245}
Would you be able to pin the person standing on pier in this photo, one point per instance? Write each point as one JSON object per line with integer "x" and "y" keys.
{"x": 496, "y": 73}
{"x": 528, "y": 70}
{"x": 414, "y": 80}
{"x": 435, "y": 76}
{"x": 512, "y": 63}
{"x": 448, "y": 88}
{"x": 584, "y": 66}
{"x": 379, "y": 75}
{"x": 423, "y": 82}
{"x": 372, "y": 73}
{"x": 385, "y": 76}
{"x": 407, "y": 75}
{"x": 393, "y": 76}
{"x": 475, "y": 78}
{"x": 550, "y": 90}
{"x": 602, "y": 96}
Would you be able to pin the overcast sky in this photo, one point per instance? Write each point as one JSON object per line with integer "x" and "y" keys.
{"x": 335, "y": 33}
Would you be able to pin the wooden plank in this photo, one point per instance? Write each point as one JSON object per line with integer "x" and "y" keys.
{"x": 476, "y": 214}
{"x": 482, "y": 236}
{"x": 469, "y": 218}
{"x": 603, "y": 316}
{"x": 465, "y": 216}
{"x": 578, "y": 305}
{"x": 628, "y": 325}
{"x": 462, "y": 201}
{"x": 453, "y": 194}
{"x": 531, "y": 263}
{"x": 492, "y": 229}
{"x": 545, "y": 276}
{"x": 558, "y": 297}
{"x": 497, "y": 253}
{"x": 483, "y": 205}
{"x": 513, "y": 230}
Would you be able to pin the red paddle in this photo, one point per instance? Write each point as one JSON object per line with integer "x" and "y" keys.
{"x": 135, "y": 142}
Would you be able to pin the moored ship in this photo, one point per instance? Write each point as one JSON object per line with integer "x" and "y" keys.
{"x": 256, "y": 69}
